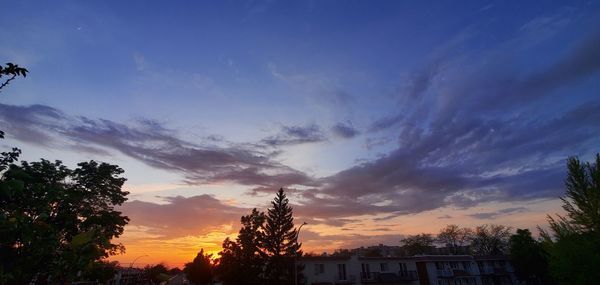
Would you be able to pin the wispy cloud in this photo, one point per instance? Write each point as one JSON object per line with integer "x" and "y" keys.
{"x": 345, "y": 130}
{"x": 151, "y": 143}
{"x": 292, "y": 135}
{"x": 496, "y": 214}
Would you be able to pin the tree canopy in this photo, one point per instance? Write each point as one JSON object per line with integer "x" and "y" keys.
{"x": 574, "y": 242}
{"x": 242, "y": 260}
{"x": 200, "y": 270}
{"x": 417, "y": 244}
{"x": 490, "y": 240}
{"x": 11, "y": 71}
{"x": 454, "y": 236}
{"x": 56, "y": 221}
{"x": 529, "y": 258}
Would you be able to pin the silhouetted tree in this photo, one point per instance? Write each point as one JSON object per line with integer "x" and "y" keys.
{"x": 100, "y": 271}
{"x": 582, "y": 198}
{"x": 200, "y": 271}
{"x": 57, "y": 221}
{"x": 490, "y": 240}
{"x": 11, "y": 71}
{"x": 174, "y": 271}
{"x": 529, "y": 258}
{"x": 372, "y": 252}
{"x": 574, "y": 245}
{"x": 279, "y": 241}
{"x": 417, "y": 244}
{"x": 242, "y": 261}
{"x": 156, "y": 273}
{"x": 454, "y": 237}
{"x": 265, "y": 249}
{"x": 342, "y": 252}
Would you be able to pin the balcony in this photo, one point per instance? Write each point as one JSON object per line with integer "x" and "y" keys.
{"x": 389, "y": 277}
{"x": 489, "y": 270}
{"x": 462, "y": 272}
{"x": 445, "y": 273}
{"x": 350, "y": 279}
{"x": 409, "y": 275}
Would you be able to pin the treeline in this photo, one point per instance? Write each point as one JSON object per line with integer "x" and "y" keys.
{"x": 482, "y": 240}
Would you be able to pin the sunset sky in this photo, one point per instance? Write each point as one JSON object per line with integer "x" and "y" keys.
{"x": 379, "y": 118}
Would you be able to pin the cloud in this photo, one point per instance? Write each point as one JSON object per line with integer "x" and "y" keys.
{"x": 180, "y": 216}
{"x": 293, "y": 135}
{"x": 472, "y": 128}
{"x": 152, "y": 144}
{"x": 140, "y": 61}
{"x": 344, "y": 130}
{"x": 475, "y": 133}
{"x": 331, "y": 242}
{"x": 496, "y": 214}
{"x": 385, "y": 123}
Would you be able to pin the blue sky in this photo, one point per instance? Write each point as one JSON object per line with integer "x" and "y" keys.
{"x": 366, "y": 111}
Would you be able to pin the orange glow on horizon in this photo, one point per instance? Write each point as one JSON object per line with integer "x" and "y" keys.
{"x": 318, "y": 238}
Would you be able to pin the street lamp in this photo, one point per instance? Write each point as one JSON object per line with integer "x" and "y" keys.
{"x": 131, "y": 265}
{"x": 296, "y": 254}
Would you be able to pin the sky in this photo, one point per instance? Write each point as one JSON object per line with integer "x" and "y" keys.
{"x": 379, "y": 118}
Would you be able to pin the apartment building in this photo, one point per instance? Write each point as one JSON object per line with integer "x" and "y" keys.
{"x": 495, "y": 270}
{"x": 422, "y": 269}
{"x": 447, "y": 270}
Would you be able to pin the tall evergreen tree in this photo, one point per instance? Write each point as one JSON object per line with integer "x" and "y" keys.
{"x": 265, "y": 249}
{"x": 279, "y": 241}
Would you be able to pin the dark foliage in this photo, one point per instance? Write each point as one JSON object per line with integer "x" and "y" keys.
{"x": 529, "y": 258}
{"x": 242, "y": 261}
{"x": 156, "y": 273}
{"x": 265, "y": 249}
{"x": 58, "y": 221}
{"x": 455, "y": 237}
{"x": 417, "y": 244}
{"x": 11, "y": 71}
{"x": 574, "y": 245}
{"x": 279, "y": 241}
{"x": 490, "y": 240}
{"x": 200, "y": 270}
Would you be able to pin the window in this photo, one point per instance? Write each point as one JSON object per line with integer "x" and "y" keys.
{"x": 319, "y": 269}
{"x": 403, "y": 270}
{"x": 341, "y": 271}
{"x": 384, "y": 267}
{"x": 439, "y": 265}
{"x": 366, "y": 271}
